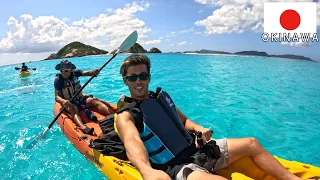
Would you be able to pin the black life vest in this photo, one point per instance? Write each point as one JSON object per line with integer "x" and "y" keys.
{"x": 70, "y": 86}
{"x": 161, "y": 129}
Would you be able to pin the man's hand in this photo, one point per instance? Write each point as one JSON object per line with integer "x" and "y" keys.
{"x": 155, "y": 175}
{"x": 95, "y": 72}
{"x": 206, "y": 135}
{"x": 67, "y": 104}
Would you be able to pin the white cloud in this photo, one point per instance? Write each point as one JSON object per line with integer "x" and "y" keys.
{"x": 199, "y": 33}
{"x": 49, "y": 33}
{"x": 171, "y": 34}
{"x": 182, "y": 43}
{"x": 237, "y": 16}
{"x": 152, "y": 42}
{"x": 187, "y": 30}
{"x": 110, "y": 10}
{"x": 206, "y": 1}
{"x": 231, "y": 19}
{"x": 65, "y": 19}
{"x": 200, "y": 11}
{"x": 167, "y": 40}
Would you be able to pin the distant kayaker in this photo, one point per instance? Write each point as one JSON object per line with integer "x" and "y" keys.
{"x": 24, "y": 67}
{"x": 159, "y": 139}
{"x": 66, "y": 84}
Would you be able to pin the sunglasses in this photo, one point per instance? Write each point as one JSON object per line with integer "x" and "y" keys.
{"x": 142, "y": 76}
{"x": 64, "y": 70}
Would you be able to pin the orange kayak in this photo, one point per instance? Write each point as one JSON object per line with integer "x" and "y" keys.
{"x": 111, "y": 167}
{"x": 114, "y": 168}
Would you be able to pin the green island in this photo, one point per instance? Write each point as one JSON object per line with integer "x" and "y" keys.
{"x": 78, "y": 49}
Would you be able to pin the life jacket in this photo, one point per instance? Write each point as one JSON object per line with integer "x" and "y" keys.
{"x": 161, "y": 130}
{"x": 70, "y": 86}
{"x": 24, "y": 68}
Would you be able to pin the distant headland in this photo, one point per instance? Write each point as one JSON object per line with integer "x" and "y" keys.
{"x": 250, "y": 53}
{"x": 78, "y": 49}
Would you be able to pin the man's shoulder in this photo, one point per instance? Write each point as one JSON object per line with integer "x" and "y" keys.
{"x": 124, "y": 115}
{"x": 128, "y": 115}
{"x": 58, "y": 82}
{"x": 130, "y": 107}
{"x": 131, "y": 111}
{"x": 57, "y": 78}
{"x": 77, "y": 72}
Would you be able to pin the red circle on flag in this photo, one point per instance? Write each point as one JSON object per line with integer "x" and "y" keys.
{"x": 290, "y": 19}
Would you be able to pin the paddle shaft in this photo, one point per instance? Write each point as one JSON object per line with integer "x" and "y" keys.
{"x": 63, "y": 108}
{"x": 17, "y": 68}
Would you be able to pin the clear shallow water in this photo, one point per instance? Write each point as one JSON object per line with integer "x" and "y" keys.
{"x": 275, "y": 100}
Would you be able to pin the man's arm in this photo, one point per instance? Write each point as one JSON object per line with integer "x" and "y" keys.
{"x": 188, "y": 123}
{"x": 134, "y": 146}
{"x": 193, "y": 127}
{"x": 58, "y": 97}
{"x": 57, "y": 93}
{"x": 90, "y": 73}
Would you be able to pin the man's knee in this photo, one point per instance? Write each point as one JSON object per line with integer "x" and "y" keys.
{"x": 93, "y": 101}
{"x": 73, "y": 109}
{"x": 254, "y": 143}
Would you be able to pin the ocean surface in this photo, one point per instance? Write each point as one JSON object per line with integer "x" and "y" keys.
{"x": 274, "y": 100}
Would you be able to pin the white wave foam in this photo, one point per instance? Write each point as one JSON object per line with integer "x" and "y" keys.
{"x": 20, "y": 142}
{"x": 28, "y": 87}
{"x": 2, "y": 146}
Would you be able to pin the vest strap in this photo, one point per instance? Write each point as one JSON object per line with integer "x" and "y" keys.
{"x": 162, "y": 148}
{"x": 146, "y": 138}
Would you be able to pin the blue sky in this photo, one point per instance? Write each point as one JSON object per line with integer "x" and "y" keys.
{"x": 31, "y": 30}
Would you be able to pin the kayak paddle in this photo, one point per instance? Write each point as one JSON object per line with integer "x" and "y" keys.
{"x": 17, "y": 68}
{"x": 126, "y": 44}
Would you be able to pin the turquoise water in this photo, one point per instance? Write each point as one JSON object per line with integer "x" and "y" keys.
{"x": 275, "y": 100}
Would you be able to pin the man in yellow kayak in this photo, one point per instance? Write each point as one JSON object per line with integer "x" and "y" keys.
{"x": 67, "y": 84}
{"x": 24, "y": 67}
{"x": 159, "y": 140}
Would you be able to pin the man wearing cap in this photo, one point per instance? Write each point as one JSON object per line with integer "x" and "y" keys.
{"x": 67, "y": 84}
{"x": 24, "y": 67}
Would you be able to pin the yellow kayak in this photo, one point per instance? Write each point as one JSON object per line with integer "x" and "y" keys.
{"x": 244, "y": 169}
{"x": 24, "y": 73}
{"x": 114, "y": 168}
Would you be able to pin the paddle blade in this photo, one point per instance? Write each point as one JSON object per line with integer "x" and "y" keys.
{"x": 34, "y": 68}
{"x": 17, "y": 68}
{"x": 128, "y": 42}
{"x": 35, "y": 140}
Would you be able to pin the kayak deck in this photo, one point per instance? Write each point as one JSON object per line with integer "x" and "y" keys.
{"x": 24, "y": 73}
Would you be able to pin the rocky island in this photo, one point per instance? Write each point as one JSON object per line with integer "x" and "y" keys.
{"x": 154, "y": 50}
{"x": 137, "y": 48}
{"x": 76, "y": 49}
